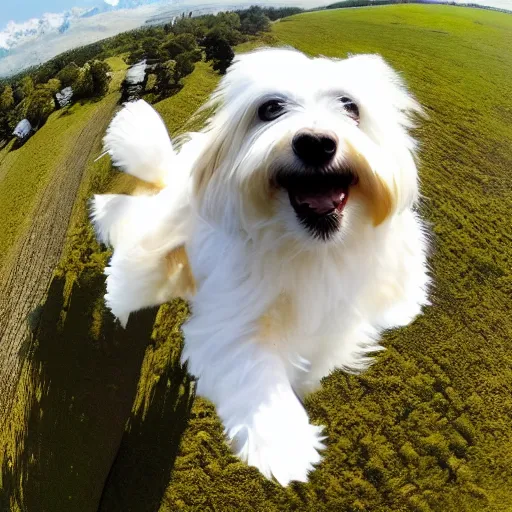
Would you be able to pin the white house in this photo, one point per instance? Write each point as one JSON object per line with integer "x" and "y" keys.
{"x": 23, "y": 130}
{"x": 64, "y": 97}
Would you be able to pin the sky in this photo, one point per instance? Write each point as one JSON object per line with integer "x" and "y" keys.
{"x": 22, "y": 10}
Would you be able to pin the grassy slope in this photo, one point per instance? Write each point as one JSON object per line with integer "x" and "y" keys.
{"x": 24, "y": 172}
{"x": 89, "y": 335}
{"x": 427, "y": 427}
{"x": 97, "y": 177}
{"x": 82, "y": 252}
{"x": 27, "y": 171}
{"x": 177, "y": 110}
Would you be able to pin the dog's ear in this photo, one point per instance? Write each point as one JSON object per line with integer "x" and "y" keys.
{"x": 373, "y": 69}
{"x": 389, "y": 111}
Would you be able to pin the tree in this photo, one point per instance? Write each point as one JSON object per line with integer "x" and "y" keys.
{"x": 23, "y": 89}
{"x": 84, "y": 85}
{"x": 40, "y": 105}
{"x": 190, "y": 25}
{"x": 47, "y": 70}
{"x": 165, "y": 79}
{"x": 69, "y": 75}
{"x": 6, "y": 99}
{"x": 136, "y": 56}
{"x": 187, "y": 41}
{"x": 5, "y": 131}
{"x": 151, "y": 48}
{"x": 275, "y": 13}
{"x": 230, "y": 19}
{"x": 219, "y": 51}
{"x": 93, "y": 80}
{"x": 181, "y": 43}
{"x": 253, "y": 20}
{"x": 53, "y": 85}
{"x": 184, "y": 66}
{"x": 172, "y": 48}
{"x": 100, "y": 77}
{"x": 227, "y": 32}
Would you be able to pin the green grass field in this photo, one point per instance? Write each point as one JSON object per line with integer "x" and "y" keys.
{"x": 426, "y": 429}
{"x": 25, "y": 171}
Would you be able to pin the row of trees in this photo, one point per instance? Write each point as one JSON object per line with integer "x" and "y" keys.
{"x": 28, "y": 98}
{"x": 176, "y": 47}
{"x": 173, "y": 49}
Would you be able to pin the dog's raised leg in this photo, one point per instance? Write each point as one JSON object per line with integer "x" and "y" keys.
{"x": 265, "y": 423}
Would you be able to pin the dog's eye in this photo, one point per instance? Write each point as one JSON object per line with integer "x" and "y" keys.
{"x": 350, "y": 107}
{"x": 271, "y": 110}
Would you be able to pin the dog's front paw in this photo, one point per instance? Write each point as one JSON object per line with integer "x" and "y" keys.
{"x": 279, "y": 441}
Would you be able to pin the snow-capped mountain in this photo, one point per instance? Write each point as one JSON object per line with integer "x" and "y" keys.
{"x": 16, "y": 34}
{"x": 39, "y": 39}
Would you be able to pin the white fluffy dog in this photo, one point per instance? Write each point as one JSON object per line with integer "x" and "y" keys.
{"x": 289, "y": 224}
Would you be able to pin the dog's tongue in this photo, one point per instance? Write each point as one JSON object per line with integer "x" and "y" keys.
{"x": 324, "y": 202}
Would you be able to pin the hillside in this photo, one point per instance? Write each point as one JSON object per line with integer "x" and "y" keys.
{"x": 427, "y": 428}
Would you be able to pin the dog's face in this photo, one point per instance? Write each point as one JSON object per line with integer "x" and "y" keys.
{"x": 312, "y": 147}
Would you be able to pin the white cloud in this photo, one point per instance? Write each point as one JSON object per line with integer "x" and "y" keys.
{"x": 113, "y": 3}
{"x": 15, "y": 34}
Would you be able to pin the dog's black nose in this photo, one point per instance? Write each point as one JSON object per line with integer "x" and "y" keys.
{"x": 314, "y": 149}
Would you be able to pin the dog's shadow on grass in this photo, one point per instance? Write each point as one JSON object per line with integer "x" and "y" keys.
{"x": 83, "y": 448}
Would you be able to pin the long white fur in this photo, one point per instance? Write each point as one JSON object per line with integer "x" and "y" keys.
{"x": 338, "y": 295}
{"x": 138, "y": 143}
{"x": 144, "y": 229}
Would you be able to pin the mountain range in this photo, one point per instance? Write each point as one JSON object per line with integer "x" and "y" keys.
{"x": 16, "y": 34}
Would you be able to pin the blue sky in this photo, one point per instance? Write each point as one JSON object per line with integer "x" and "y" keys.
{"x": 22, "y": 10}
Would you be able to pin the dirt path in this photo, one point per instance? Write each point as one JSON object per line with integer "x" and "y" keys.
{"x": 23, "y": 282}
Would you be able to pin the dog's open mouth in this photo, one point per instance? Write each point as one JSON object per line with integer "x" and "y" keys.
{"x": 318, "y": 198}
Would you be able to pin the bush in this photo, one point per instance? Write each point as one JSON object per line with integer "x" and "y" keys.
{"x": 69, "y": 75}
{"x": 6, "y": 99}
{"x": 40, "y": 105}
{"x": 179, "y": 44}
{"x": 84, "y": 85}
{"x": 253, "y": 20}
{"x": 184, "y": 65}
{"x": 166, "y": 83}
{"x": 99, "y": 71}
